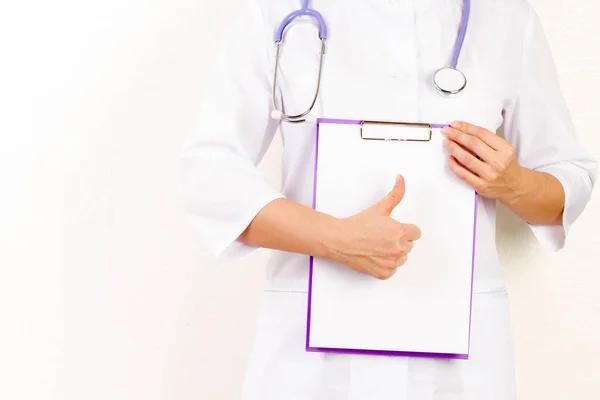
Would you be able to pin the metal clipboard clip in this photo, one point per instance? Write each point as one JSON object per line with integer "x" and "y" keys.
{"x": 396, "y": 131}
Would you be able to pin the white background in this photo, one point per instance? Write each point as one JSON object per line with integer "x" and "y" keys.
{"x": 105, "y": 292}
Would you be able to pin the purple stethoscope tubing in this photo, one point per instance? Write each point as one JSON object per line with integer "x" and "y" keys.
{"x": 306, "y": 11}
{"x": 462, "y": 33}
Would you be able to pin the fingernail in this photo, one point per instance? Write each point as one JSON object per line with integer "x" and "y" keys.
{"x": 446, "y": 130}
{"x": 455, "y": 124}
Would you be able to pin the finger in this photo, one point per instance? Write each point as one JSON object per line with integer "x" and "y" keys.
{"x": 472, "y": 143}
{"x": 465, "y": 175}
{"x": 467, "y": 159}
{"x": 409, "y": 246}
{"x": 412, "y": 233}
{"x": 489, "y": 138}
{"x": 401, "y": 261}
{"x": 392, "y": 199}
{"x": 384, "y": 273}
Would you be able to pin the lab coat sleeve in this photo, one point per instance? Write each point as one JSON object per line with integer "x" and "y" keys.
{"x": 539, "y": 126}
{"x": 221, "y": 186}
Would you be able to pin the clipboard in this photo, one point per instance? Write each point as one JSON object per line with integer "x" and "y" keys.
{"x": 425, "y": 309}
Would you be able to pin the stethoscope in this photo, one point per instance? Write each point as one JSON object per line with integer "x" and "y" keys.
{"x": 448, "y": 81}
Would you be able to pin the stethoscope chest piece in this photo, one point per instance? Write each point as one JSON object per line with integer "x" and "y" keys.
{"x": 449, "y": 81}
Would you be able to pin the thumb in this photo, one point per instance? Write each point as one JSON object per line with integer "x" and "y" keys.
{"x": 386, "y": 205}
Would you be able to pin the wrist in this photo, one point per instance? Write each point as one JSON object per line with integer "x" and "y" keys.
{"x": 331, "y": 238}
{"x": 517, "y": 188}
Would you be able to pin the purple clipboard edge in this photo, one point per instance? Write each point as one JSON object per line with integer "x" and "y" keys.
{"x": 310, "y": 277}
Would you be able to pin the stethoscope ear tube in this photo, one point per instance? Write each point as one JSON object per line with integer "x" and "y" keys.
{"x": 309, "y": 118}
{"x": 276, "y": 108}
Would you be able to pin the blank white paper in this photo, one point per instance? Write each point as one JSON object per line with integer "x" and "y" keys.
{"x": 426, "y": 306}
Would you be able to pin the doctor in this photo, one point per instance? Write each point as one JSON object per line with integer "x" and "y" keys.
{"x": 381, "y": 57}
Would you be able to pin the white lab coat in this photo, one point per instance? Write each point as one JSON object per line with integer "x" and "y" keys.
{"x": 381, "y": 55}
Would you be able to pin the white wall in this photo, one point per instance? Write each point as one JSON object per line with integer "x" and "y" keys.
{"x": 105, "y": 292}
